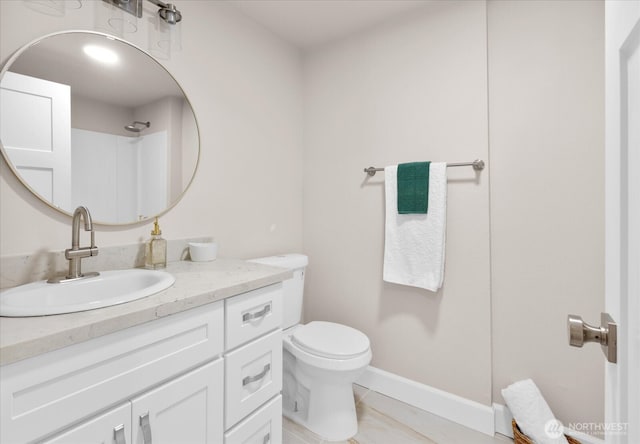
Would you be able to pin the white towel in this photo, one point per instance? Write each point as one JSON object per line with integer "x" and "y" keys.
{"x": 414, "y": 244}
{"x": 532, "y": 413}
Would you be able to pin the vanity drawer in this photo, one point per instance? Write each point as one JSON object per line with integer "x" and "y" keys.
{"x": 44, "y": 394}
{"x": 253, "y": 375}
{"x": 261, "y": 427}
{"x": 252, "y": 314}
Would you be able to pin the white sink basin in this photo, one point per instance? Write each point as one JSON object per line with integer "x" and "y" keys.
{"x": 110, "y": 288}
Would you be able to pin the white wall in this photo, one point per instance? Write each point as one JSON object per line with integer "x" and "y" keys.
{"x": 245, "y": 87}
{"x": 416, "y": 89}
{"x": 94, "y": 115}
{"x": 546, "y": 108}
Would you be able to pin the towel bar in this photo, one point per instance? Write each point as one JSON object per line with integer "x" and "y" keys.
{"x": 477, "y": 165}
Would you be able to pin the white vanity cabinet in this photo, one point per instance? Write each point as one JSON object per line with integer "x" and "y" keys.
{"x": 211, "y": 374}
{"x": 173, "y": 364}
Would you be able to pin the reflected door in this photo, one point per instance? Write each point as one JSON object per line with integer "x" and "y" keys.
{"x": 35, "y": 123}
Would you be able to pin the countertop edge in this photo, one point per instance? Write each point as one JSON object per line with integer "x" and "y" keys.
{"x": 139, "y": 313}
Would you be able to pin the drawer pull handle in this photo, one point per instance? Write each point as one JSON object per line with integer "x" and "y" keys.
{"x": 249, "y": 379}
{"x": 146, "y": 428}
{"x": 258, "y": 314}
{"x": 266, "y": 438}
{"x": 118, "y": 434}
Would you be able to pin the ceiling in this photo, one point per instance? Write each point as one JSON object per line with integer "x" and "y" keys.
{"x": 310, "y": 23}
{"x": 135, "y": 81}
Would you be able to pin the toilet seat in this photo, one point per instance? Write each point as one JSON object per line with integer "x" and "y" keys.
{"x": 331, "y": 340}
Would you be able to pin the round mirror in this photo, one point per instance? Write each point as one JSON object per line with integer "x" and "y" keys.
{"x": 88, "y": 119}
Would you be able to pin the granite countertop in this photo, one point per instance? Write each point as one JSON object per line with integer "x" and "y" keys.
{"x": 197, "y": 283}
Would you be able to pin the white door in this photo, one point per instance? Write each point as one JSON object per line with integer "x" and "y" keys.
{"x": 622, "y": 159}
{"x": 35, "y": 129}
{"x": 186, "y": 410}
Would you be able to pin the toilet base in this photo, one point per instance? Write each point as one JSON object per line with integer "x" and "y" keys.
{"x": 333, "y": 418}
{"x": 320, "y": 400}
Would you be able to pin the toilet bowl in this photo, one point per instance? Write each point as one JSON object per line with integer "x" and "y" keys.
{"x": 321, "y": 362}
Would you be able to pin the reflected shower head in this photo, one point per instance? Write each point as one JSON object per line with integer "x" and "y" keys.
{"x": 135, "y": 128}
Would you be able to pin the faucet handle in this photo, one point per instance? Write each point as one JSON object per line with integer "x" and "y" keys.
{"x": 70, "y": 253}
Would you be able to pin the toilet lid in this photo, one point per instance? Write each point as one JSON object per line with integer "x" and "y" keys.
{"x": 331, "y": 340}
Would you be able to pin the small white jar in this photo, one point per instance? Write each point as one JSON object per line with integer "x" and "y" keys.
{"x": 203, "y": 251}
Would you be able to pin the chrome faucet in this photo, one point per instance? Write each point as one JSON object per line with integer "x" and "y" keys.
{"x": 75, "y": 253}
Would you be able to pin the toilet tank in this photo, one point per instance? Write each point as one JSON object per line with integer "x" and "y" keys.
{"x": 292, "y": 288}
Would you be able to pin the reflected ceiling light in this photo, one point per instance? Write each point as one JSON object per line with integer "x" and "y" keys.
{"x": 101, "y": 54}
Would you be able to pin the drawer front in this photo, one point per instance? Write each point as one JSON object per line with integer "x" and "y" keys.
{"x": 41, "y": 395}
{"x": 261, "y": 427}
{"x": 253, "y": 375}
{"x": 253, "y": 314}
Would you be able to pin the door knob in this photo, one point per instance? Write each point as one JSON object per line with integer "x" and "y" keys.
{"x": 606, "y": 334}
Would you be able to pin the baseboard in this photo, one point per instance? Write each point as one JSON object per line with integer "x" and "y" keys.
{"x": 503, "y": 419}
{"x": 455, "y": 408}
{"x": 476, "y": 416}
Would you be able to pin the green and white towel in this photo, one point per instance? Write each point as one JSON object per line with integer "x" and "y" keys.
{"x": 414, "y": 244}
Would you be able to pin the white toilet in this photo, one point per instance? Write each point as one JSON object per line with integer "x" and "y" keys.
{"x": 321, "y": 362}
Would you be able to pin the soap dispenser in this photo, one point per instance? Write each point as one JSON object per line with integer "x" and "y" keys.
{"x": 156, "y": 249}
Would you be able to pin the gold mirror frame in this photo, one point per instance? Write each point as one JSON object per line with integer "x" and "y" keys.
{"x": 150, "y": 61}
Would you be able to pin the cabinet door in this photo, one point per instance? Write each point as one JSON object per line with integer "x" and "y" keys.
{"x": 185, "y": 410}
{"x": 112, "y": 427}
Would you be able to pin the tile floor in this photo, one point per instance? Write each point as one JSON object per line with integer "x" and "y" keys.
{"x": 383, "y": 420}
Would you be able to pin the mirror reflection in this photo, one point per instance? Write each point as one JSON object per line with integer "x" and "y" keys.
{"x": 91, "y": 120}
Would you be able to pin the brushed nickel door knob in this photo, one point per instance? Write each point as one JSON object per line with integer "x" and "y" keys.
{"x": 606, "y": 334}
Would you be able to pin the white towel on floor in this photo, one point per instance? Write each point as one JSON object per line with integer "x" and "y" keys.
{"x": 414, "y": 244}
{"x": 532, "y": 413}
